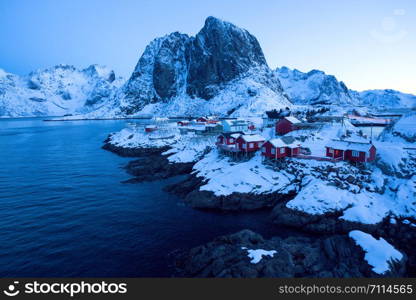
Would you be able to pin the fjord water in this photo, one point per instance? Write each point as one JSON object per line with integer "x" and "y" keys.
{"x": 65, "y": 211}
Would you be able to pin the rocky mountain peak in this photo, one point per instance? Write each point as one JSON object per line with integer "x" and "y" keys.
{"x": 199, "y": 66}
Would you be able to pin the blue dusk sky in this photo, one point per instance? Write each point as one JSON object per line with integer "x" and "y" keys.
{"x": 366, "y": 44}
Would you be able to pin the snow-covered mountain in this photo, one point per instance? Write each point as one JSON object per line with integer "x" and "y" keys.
{"x": 316, "y": 87}
{"x": 221, "y": 70}
{"x": 387, "y": 98}
{"x": 55, "y": 91}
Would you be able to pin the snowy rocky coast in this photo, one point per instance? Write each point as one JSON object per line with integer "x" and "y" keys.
{"x": 361, "y": 217}
{"x": 329, "y": 200}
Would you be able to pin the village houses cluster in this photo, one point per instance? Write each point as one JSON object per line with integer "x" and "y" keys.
{"x": 239, "y": 138}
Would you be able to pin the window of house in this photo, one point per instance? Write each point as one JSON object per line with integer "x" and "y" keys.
{"x": 250, "y": 145}
{"x": 244, "y": 146}
{"x": 273, "y": 151}
{"x": 330, "y": 150}
{"x": 231, "y": 140}
{"x": 355, "y": 153}
{"x": 263, "y": 149}
{"x": 282, "y": 150}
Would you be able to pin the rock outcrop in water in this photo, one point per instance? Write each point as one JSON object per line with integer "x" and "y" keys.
{"x": 151, "y": 164}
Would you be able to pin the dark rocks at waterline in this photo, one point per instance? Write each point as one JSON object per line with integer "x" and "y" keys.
{"x": 132, "y": 152}
{"x": 227, "y": 256}
{"x": 189, "y": 191}
{"x": 155, "y": 167}
{"x": 150, "y": 165}
{"x": 401, "y": 236}
{"x": 328, "y": 223}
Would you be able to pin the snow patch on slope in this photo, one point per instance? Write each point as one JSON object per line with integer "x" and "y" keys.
{"x": 378, "y": 252}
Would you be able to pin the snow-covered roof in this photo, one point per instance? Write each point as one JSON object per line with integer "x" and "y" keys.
{"x": 235, "y": 122}
{"x": 292, "y": 120}
{"x": 235, "y": 134}
{"x": 150, "y": 126}
{"x": 252, "y": 138}
{"x": 349, "y": 145}
{"x": 281, "y": 142}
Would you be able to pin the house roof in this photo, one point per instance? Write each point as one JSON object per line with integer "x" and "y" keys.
{"x": 150, "y": 126}
{"x": 235, "y": 134}
{"x": 273, "y": 114}
{"x": 235, "y": 122}
{"x": 252, "y": 138}
{"x": 286, "y": 141}
{"x": 292, "y": 120}
{"x": 349, "y": 145}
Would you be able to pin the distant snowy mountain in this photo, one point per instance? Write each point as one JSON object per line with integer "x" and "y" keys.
{"x": 387, "y": 98}
{"x": 314, "y": 87}
{"x": 56, "y": 91}
{"x": 221, "y": 70}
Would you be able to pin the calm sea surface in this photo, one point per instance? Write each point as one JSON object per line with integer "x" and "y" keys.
{"x": 65, "y": 212}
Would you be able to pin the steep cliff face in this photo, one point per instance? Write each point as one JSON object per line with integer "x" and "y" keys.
{"x": 181, "y": 71}
{"x": 220, "y": 52}
{"x": 160, "y": 73}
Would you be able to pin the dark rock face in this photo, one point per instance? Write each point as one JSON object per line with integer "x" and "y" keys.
{"x": 219, "y": 53}
{"x": 226, "y": 256}
{"x": 188, "y": 190}
{"x": 177, "y": 64}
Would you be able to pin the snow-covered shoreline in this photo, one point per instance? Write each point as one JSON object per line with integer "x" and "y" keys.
{"x": 315, "y": 196}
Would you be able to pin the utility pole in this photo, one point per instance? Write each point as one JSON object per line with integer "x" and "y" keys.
{"x": 371, "y": 134}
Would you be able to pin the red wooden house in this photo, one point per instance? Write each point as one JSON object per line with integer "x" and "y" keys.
{"x": 249, "y": 142}
{"x": 228, "y": 138}
{"x": 352, "y": 151}
{"x": 202, "y": 120}
{"x": 286, "y": 124}
{"x": 279, "y": 148}
{"x": 150, "y": 128}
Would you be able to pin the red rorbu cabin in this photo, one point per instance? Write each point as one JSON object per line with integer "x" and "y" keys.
{"x": 202, "y": 120}
{"x": 351, "y": 151}
{"x": 249, "y": 142}
{"x": 280, "y": 148}
{"x": 227, "y": 141}
{"x": 150, "y": 128}
{"x": 287, "y": 124}
{"x": 228, "y": 138}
